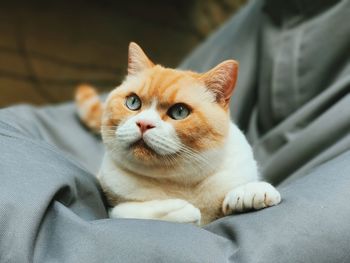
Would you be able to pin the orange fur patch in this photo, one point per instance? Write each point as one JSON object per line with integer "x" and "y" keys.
{"x": 89, "y": 106}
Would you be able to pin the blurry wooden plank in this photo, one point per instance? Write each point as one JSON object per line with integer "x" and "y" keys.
{"x": 18, "y": 91}
{"x": 47, "y": 47}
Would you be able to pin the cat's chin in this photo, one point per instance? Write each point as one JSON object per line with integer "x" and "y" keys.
{"x": 140, "y": 159}
{"x": 141, "y": 151}
{"x": 144, "y": 151}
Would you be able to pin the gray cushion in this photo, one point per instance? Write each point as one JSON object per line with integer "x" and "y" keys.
{"x": 52, "y": 210}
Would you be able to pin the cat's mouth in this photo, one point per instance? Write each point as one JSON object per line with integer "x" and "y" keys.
{"x": 152, "y": 148}
{"x": 140, "y": 143}
{"x": 140, "y": 148}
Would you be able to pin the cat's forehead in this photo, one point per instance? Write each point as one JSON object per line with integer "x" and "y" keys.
{"x": 167, "y": 86}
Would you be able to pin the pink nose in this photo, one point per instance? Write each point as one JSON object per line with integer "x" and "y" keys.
{"x": 145, "y": 125}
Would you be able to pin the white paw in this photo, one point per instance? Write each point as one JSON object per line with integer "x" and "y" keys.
{"x": 182, "y": 212}
{"x": 255, "y": 195}
{"x": 175, "y": 210}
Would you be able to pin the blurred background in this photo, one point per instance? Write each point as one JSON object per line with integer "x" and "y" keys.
{"x": 48, "y": 47}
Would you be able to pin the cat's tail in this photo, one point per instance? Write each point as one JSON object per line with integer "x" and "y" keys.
{"x": 89, "y": 107}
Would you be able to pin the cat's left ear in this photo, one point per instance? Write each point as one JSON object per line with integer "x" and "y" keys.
{"x": 137, "y": 59}
{"x": 222, "y": 80}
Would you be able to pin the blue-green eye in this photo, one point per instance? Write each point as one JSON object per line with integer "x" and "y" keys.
{"x": 133, "y": 102}
{"x": 179, "y": 111}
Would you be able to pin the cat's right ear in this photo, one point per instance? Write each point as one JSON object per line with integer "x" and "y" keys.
{"x": 221, "y": 80}
{"x": 137, "y": 59}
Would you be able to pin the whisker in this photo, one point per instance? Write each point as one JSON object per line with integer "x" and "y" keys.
{"x": 189, "y": 155}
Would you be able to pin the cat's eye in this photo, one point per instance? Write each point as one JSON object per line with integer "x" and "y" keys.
{"x": 179, "y": 111}
{"x": 133, "y": 102}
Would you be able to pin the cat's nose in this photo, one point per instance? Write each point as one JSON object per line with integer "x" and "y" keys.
{"x": 145, "y": 125}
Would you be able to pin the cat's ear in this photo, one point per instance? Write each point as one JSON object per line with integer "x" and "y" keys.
{"x": 222, "y": 80}
{"x": 137, "y": 59}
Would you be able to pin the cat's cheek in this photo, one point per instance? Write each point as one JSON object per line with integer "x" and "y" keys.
{"x": 197, "y": 131}
{"x": 127, "y": 133}
{"x": 163, "y": 139}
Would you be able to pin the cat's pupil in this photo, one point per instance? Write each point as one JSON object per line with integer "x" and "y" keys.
{"x": 181, "y": 111}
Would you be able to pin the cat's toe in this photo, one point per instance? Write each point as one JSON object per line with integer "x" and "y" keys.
{"x": 255, "y": 195}
{"x": 233, "y": 201}
{"x": 271, "y": 196}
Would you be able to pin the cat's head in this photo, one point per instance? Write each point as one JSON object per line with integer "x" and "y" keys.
{"x": 163, "y": 120}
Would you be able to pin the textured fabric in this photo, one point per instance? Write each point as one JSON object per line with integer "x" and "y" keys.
{"x": 292, "y": 96}
{"x": 52, "y": 209}
{"x": 58, "y": 126}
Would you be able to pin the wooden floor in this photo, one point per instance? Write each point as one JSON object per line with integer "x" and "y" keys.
{"x": 48, "y": 47}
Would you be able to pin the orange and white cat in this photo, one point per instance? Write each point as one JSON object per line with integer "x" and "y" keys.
{"x": 172, "y": 152}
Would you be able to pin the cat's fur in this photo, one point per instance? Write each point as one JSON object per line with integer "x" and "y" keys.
{"x": 192, "y": 170}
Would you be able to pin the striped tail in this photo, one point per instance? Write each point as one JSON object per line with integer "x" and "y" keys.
{"x": 89, "y": 107}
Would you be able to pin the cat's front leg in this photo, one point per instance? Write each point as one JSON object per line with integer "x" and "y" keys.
{"x": 253, "y": 195}
{"x": 175, "y": 210}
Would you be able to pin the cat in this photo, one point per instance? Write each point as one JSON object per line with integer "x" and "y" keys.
{"x": 172, "y": 152}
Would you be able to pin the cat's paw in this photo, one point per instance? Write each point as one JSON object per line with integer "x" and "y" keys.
{"x": 175, "y": 210}
{"x": 182, "y": 211}
{"x": 254, "y": 195}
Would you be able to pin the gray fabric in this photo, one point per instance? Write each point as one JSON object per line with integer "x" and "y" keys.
{"x": 59, "y": 126}
{"x": 292, "y": 96}
{"x": 310, "y": 225}
{"x": 52, "y": 209}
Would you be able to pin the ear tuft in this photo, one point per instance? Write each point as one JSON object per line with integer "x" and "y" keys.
{"x": 222, "y": 80}
{"x": 137, "y": 59}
